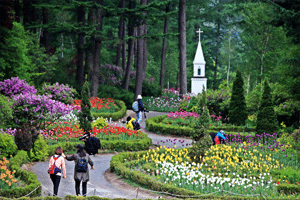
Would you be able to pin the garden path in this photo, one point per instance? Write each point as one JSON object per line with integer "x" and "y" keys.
{"x": 102, "y": 182}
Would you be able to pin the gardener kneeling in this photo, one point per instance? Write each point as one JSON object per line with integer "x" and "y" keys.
{"x": 218, "y": 138}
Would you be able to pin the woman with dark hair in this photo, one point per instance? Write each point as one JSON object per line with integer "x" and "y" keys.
{"x": 81, "y": 170}
{"x": 57, "y": 163}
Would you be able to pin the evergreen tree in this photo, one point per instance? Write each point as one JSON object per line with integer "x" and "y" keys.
{"x": 266, "y": 118}
{"x": 237, "y": 107}
{"x": 203, "y": 122}
{"x": 85, "y": 116}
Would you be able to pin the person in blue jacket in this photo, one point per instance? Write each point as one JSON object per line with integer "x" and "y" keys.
{"x": 220, "y": 135}
{"x": 139, "y": 114}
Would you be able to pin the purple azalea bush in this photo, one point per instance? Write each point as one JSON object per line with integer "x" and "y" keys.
{"x": 60, "y": 92}
{"x": 15, "y": 86}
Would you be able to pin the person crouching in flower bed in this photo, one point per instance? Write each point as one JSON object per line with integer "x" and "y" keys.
{"x": 218, "y": 138}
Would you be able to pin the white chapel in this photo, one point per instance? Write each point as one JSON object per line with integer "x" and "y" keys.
{"x": 199, "y": 80}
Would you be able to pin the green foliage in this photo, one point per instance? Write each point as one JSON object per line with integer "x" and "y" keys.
{"x": 85, "y": 116}
{"x": 14, "y": 54}
{"x": 253, "y": 99}
{"x": 7, "y": 145}
{"x": 5, "y": 110}
{"x": 296, "y": 136}
{"x": 151, "y": 89}
{"x": 237, "y": 108}
{"x": 266, "y": 118}
{"x": 204, "y": 120}
{"x": 39, "y": 150}
{"x": 218, "y": 101}
{"x": 183, "y": 104}
{"x": 106, "y": 91}
{"x": 99, "y": 123}
{"x": 199, "y": 148}
{"x": 192, "y": 106}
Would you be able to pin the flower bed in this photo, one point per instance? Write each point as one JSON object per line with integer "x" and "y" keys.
{"x": 168, "y": 101}
{"x": 112, "y": 137}
{"x": 224, "y": 168}
{"x": 32, "y": 184}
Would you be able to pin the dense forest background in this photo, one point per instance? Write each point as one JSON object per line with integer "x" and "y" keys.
{"x": 128, "y": 47}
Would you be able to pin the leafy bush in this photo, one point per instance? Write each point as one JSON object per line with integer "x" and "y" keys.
{"x": 151, "y": 89}
{"x": 116, "y": 115}
{"x": 192, "y": 106}
{"x": 99, "y": 123}
{"x": 39, "y": 150}
{"x": 199, "y": 148}
{"x": 183, "y": 104}
{"x": 106, "y": 91}
{"x": 7, "y": 145}
{"x": 5, "y": 110}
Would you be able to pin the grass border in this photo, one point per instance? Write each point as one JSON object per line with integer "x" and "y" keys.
{"x": 116, "y": 115}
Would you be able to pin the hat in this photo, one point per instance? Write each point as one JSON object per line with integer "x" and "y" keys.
{"x": 87, "y": 133}
{"x": 222, "y": 132}
{"x": 79, "y": 146}
{"x": 139, "y": 96}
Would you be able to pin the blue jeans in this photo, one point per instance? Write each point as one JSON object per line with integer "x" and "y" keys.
{"x": 139, "y": 116}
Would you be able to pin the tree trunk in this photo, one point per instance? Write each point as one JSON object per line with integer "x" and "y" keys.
{"x": 135, "y": 33}
{"x": 120, "y": 35}
{"x": 182, "y": 47}
{"x": 89, "y": 58}
{"x": 131, "y": 29}
{"x": 124, "y": 48}
{"x": 140, "y": 59}
{"x": 164, "y": 50}
{"x": 46, "y": 37}
{"x": 17, "y": 8}
{"x": 217, "y": 58}
{"x": 96, "y": 66}
{"x": 80, "y": 47}
{"x": 145, "y": 51}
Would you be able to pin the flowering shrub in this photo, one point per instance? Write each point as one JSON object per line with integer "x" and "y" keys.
{"x": 165, "y": 103}
{"x": 60, "y": 92}
{"x": 7, "y": 179}
{"x": 182, "y": 114}
{"x": 14, "y": 86}
{"x": 103, "y": 105}
{"x": 36, "y": 108}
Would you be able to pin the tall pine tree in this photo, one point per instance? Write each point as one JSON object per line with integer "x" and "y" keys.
{"x": 266, "y": 118}
{"x": 237, "y": 107}
{"x": 85, "y": 116}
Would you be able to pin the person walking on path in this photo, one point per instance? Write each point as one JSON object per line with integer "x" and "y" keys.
{"x": 81, "y": 169}
{"x": 139, "y": 113}
{"x": 56, "y": 164}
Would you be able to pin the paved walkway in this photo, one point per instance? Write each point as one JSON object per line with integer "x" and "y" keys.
{"x": 99, "y": 184}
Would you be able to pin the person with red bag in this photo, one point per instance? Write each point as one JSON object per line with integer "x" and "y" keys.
{"x": 56, "y": 164}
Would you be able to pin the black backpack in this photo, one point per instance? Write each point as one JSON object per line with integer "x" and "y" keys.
{"x": 82, "y": 165}
{"x": 96, "y": 142}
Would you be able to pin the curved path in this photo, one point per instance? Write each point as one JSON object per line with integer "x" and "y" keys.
{"x": 102, "y": 182}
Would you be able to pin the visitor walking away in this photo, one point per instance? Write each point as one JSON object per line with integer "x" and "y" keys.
{"x": 218, "y": 138}
{"x": 92, "y": 144}
{"x": 131, "y": 123}
{"x": 81, "y": 169}
{"x": 56, "y": 164}
{"x": 140, "y": 108}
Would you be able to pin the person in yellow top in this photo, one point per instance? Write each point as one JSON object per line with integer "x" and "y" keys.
{"x": 132, "y": 124}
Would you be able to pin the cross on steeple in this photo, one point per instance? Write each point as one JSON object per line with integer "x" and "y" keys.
{"x": 199, "y": 33}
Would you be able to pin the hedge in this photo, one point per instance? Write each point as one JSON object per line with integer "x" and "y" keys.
{"x": 118, "y": 165}
{"x": 116, "y": 145}
{"x": 116, "y": 115}
{"x": 154, "y": 125}
{"x": 28, "y": 177}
